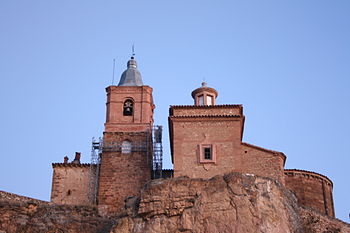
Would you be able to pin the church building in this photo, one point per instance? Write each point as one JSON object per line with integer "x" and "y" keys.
{"x": 205, "y": 141}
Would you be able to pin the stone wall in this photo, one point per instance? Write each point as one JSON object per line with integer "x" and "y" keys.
{"x": 312, "y": 189}
{"x": 71, "y": 183}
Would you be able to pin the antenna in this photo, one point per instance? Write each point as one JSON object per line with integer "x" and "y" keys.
{"x": 133, "y": 50}
{"x": 113, "y": 71}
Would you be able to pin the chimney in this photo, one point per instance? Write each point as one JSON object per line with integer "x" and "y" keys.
{"x": 65, "y": 159}
{"x": 77, "y": 158}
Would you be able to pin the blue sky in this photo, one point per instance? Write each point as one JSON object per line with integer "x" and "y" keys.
{"x": 287, "y": 62}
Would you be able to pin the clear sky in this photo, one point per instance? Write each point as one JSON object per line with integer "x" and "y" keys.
{"x": 287, "y": 62}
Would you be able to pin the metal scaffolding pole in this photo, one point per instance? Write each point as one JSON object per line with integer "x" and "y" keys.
{"x": 96, "y": 150}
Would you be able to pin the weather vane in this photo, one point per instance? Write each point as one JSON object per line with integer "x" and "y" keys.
{"x": 133, "y": 50}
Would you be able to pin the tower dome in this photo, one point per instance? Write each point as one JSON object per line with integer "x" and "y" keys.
{"x": 131, "y": 76}
{"x": 204, "y": 95}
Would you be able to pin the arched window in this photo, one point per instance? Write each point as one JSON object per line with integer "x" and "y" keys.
{"x": 126, "y": 147}
{"x": 128, "y": 108}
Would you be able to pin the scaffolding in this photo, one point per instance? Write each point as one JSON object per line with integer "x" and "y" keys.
{"x": 96, "y": 151}
{"x": 122, "y": 146}
{"x": 152, "y": 146}
{"x": 157, "y": 151}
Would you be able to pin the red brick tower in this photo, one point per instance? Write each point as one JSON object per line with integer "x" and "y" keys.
{"x": 126, "y": 159}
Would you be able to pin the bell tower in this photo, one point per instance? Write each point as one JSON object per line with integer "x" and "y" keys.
{"x": 126, "y": 159}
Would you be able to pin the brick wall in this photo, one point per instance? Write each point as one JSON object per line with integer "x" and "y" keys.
{"x": 143, "y": 108}
{"x": 220, "y": 126}
{"x": 71, "y": 184}
{"x": 262, "y": 162}
{"x": 123, "y": 175}
{"x": 311, "y": 189}
{"x": 222, "y": 133}
{"x": 206, "y": 110}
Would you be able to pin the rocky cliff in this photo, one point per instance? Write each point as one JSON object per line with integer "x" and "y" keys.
{"x": 230, "y": 203}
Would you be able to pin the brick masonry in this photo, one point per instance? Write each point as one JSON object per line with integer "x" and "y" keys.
{"x": 196, "y": 125}
{"x": 312, "y": 190}
{"x": 71, "y": 183}
{"x": 142, "y": 117}
{"x": 124, "y": 174}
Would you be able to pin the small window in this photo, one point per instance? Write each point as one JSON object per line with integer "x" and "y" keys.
{"x": 126, "y": 147}
{"x": 209, "y": 100}
{"x": 207, "y": 153}
{"x": 128, "y": 108}
{"x": 200, "y": 100}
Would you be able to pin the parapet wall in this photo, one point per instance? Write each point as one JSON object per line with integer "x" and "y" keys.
{"x": 71, "y": 183}
{"x": 311, "y": 189}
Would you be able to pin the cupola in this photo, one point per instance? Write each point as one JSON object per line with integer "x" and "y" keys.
{"x": 131, "y": 76}
{"x": 204, "y": 95}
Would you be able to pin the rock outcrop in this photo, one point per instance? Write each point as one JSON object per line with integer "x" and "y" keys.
{"x": 318, "y": 223}
{"x": 230, "y": 203}
{"x": 22, "y": 214}
{"x": 234, "y": 203}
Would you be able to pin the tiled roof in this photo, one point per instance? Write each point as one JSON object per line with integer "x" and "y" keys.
{"x": 202, "y": 116}
{"x": 71, "y": 165}
{"x": 207, "y": 106}
{"x": 204, "y": 89}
